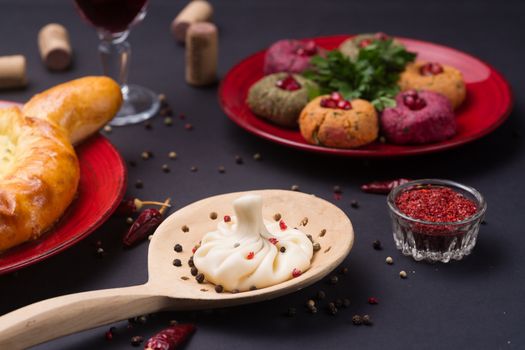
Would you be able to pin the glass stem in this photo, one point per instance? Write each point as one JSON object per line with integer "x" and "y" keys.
{"x": 115, "y": 52}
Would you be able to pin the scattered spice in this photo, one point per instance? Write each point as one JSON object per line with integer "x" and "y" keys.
{"x": 389, "y": 260}
{"x": 132, "y": 163}
{"x": 323, "y": 232}
{"x": 291, "y": 312}
{"x": 172, "y": 155}
{"x": 354, "y": 204}
{"x": 373, "y": 301}
{"x": 402, "y": 274}
{"x": 357, "y": 320}
{"x": 185, "y": 228}
{"x": 213, "y": 215}
{"x": 227, "y": 218}
{"x": 148, "y": 125}
{"x": 177, "y": 248}
{"x": 190, "y": 262}
{"x": 310, "y": 303}
{"x": 250, "y": 255}
{"x": 337, "y": 189}
{"x": 194, "y": 271}
{"x": 236, "y": 245}
{"x": 282, "y": 225}
{"x": 162, "y": 98}
{"x": 168, "y": 121}
{"x": 377, "y": 245}
{"x": 277, "y": 217}
{"x": 257, "y": 156}
{"x": 332, "y": 309}
{"x": 146, "y": 155}
{"x": 317, "y": 247}
{"x": 295, "y": 188}
{"x": 200, "y": 278}
{"x": 100, "y": 252}
{"x": 193, "y": 169}
{"x": 110, "y": 333}
{"x": 130, "y": 206}
{"x": 170, "y": 338}
{"x": 139, "y": 184}
{"x": 320, "y": 295}
{"x": 282, "y": 249}
{"x": 165, "y": 168}
{"x": 346, "y": 302}
{"x": 382, "y": 187}
{"x": 296, "y": 273}
{"x": 253, "y": 288}
{"x": 177, "y": 262}
{"x": 304, "y": 221}
{"x": 344, "y": 270}
{"x": 219, "y": 288}
{"x": 188, "y": 126}
{"x": 137, "y": 340}
{"x": 234, "y": 291}
{"x": 221, "y": 169}
{"x": 238, "y": 159}
{"x": 145, "y": 224}
{"x": 108, "y": 129}
{"x": 184, "y": 278}
{"x": 309, "y": 236}
{"x": 367, "y": 320}
{"x": 273, "y": 240}
{"x": 334, "y": 279}
{"x": 129, "y": 220}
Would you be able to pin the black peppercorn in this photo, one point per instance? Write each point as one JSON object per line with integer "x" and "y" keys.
{"x": 377, "y": 245}
{"x": 346, "y": 302}
{"x": 137, "y": 340}
{"x": 238, "y": 159}
{"x": 332, "y": 309}
{"x": 139, "y": 184}
{"x": 177, "y": 262}
{"x": 253, "y": 288}
{"x": 321, "y": 295}
{"x": 338, "y": 303}
{"x": 190, "y": 262}
{"x": 334, "y": 280}
{"x": 356, "y": 319}
{"x": 337, "y": 189}
{"x": 344, "y": 270}
{"x": 219, "y": 288}
{"x": 178, "y": 248}
{"x": 291, "y": 312}
{"x": 185, "y": 228}
{"x": 282, "y": 249}
{"x": 367, "y": 320}
{"x": 200, "y": 278}
{"x": 354, "y": 204}
{"x": 194, "y": 271}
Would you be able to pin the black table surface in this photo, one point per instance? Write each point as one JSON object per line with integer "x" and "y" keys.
{"x": 478, "y": 303}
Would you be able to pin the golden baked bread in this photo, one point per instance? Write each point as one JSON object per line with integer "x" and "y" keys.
{"x": 81, "y": 106}
{"x": 448, "y": 83}
{"x": 39, "y": 170}
{"x": 339, "y": 128}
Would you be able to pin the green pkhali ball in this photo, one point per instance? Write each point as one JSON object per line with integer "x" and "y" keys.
{"x": 278, "y": 105}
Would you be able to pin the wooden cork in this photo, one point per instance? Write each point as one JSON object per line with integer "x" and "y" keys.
{"x": 195, "y": 11}
{"x": 12, "y": 71}
{"x": 201, "y": 54}
{"x": 55, "y": 49}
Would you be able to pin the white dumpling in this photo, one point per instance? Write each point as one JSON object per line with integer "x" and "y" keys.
{"x": 246, "y": 252}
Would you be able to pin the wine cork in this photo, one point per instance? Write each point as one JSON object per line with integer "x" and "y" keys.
{"x": 201, "y": 54}
{"x": 55, "y": 49}
{"x": 12, "y": 71}
{"x": 195, "y": 11}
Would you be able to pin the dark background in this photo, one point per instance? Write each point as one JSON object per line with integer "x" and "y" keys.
{"x": 477, "y": 303}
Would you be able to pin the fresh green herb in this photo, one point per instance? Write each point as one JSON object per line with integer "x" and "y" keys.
{"x": 372, "y": 76}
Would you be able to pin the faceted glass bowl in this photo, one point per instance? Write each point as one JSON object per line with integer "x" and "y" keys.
{"x": 435, "y": 241}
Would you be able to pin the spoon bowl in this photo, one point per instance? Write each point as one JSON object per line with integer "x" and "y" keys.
{"x": 172, "y": 287}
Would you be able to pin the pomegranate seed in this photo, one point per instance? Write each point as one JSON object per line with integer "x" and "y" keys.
{"x": 381, "y": 36}
{"x": 227, "y": 218}
{"x": 193, "y": 250}
{"x": 288, "y": 83}
{"x": 413, "y": 101}
{"x": 365, "y": 42}
{"x": 282, "y": 225}
{"x": 296, "y": 273}
{"x": 373, "y": 301}
{"x": 328, "y": 103}
{"x": 412, "y": 93}
{"x": 273, "y": 240}
{"x": 336, "y": 96}
{"x": 109, "y": 335}
{"x": 250, "y": 255}
{"x": 431, "y": 68}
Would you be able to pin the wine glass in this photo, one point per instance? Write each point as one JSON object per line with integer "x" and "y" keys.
{"x": 113, "y": 19}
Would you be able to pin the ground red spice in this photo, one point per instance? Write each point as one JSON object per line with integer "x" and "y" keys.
{"x": 439, "y": 204}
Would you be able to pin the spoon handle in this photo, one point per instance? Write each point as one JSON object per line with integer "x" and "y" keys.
{"x": 56, "y": 317}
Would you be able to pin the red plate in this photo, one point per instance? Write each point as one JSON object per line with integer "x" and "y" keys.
{"x": 101, "y": 188}
{"x": 488, "y": 103}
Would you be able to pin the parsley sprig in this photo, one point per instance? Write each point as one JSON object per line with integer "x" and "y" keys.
{"x": 372, "y": 76}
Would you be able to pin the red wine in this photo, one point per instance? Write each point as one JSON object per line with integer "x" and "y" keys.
{"x": 112, "y": 15}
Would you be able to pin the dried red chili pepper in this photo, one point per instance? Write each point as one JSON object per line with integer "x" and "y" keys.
{"x": 170, "y": 338}
{"x": 129, "y": 206}
{"x": 382, "y": 187}
{"x": 144, "y": 225}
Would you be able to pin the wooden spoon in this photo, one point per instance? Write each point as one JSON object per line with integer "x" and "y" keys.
{"x": 171, "y": 287}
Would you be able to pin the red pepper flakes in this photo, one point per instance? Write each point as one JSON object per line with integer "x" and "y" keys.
{"x": 273, "y": 240}
{"x": 382, "y": 187}
{"x": 170, "y": 338}
{"x": 193, "y": 250}
{"x": 436, "y": 205}
{"x": 227, "y": 218}
{"x": 373, "y": 301}
{"x": 337, "y": 196}
{"x": 296, "y": 273}
{"x": 282, "y": 225}
{"x": 250, "y": 255}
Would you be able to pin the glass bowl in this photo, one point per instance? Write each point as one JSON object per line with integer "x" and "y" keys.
{"x": 435, "y": 241}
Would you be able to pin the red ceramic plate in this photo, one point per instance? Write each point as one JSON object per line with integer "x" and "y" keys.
{"x": 101, "y": 188}
{"x": 488, "y": 103}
